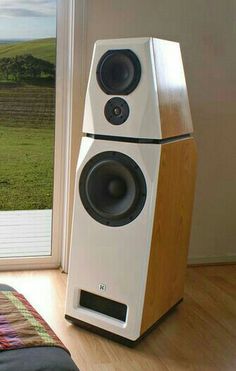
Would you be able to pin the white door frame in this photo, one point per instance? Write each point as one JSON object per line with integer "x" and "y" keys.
{"x": 75, "y": 104}
{"x": 62, "y": 151}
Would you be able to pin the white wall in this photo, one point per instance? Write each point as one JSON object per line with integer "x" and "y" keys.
{"x": 207, "y": 33}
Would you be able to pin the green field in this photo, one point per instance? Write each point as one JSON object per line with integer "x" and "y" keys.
{"x": 42, "y": 48}
{"x": 27, "y": 115}
{"x": 26, "y": 168}
{"x": 27, "y": 105}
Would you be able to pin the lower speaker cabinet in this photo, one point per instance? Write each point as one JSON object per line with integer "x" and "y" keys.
{"x": 117, "y": 338}
{"x": 129, "y": 239}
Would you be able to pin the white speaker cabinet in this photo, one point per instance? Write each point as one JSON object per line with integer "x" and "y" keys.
{"x": 134, "y": 190}
{"x": 158, "y": 104}
{"x": 138, "y": 267}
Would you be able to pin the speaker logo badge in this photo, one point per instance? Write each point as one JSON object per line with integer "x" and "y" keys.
{"x": 102, "y": 287}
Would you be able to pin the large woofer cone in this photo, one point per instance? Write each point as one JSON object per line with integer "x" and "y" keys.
{"x": 112, "y": 188}
{"x": 118, "y": 72}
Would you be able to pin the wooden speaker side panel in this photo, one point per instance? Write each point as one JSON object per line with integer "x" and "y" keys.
{"x": 171, "y": 230}
{"x": 172, "y": 90}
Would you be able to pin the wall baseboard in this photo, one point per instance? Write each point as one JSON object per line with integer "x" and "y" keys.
{"x": 208, "y": 260}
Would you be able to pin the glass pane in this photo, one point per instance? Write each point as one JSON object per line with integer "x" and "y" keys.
{"x": 27, "y": 124}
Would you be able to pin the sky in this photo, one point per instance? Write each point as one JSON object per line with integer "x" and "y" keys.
{"x": 27, "y": 19}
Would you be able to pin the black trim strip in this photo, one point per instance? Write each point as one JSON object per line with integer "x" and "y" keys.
{"x": 136, "y": 140}
{"x": 115, "y": 337}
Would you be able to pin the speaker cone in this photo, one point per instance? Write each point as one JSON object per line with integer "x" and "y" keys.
{"x": 112, "y": 188}
{"x": 118, "y": 72}
{"x": 116, "y": 111}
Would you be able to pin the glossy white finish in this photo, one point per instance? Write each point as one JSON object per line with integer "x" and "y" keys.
{"x": 144, "y": 117}
{"x": 114, "y": 256}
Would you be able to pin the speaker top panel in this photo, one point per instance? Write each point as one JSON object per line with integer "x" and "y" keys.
{"x": 137, "y": 89}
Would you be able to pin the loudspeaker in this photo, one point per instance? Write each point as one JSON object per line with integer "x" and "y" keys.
{"x": 134, "y": 190}
{"x": 137, "y": 89}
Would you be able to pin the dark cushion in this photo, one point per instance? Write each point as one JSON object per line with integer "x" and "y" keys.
{"x": 37, "y": 358}
{"x": 4, "y": 287}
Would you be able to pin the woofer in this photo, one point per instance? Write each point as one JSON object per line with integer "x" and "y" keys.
{"x": 112, "y": 188}
{"x": 118, "y": 72}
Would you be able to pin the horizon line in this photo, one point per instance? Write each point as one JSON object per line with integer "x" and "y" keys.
{"x": 28, "y": 38}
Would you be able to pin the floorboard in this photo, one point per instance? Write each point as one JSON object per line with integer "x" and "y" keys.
{"x": 199, "y": 335}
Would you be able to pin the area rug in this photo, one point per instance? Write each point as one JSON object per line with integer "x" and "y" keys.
{"x": 21, "y": 326}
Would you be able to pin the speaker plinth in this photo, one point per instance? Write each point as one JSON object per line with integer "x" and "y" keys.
{"x": 112, "y": 188}
{"x": 118, "y": 72}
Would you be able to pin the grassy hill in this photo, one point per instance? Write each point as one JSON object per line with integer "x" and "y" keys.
{"x": 26, "y": 168}
{"x": 40, "y": 48}
{"x": 27, "y": 120}
{"x": 27, "y": 105}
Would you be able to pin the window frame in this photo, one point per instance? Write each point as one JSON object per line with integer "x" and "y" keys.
{"x": 62, "y": 151}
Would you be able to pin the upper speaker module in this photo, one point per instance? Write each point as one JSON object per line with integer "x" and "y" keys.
{"x": 118, "y": 72}
{"x": 147, "y": 74}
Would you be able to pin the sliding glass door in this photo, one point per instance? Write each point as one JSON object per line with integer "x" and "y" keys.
{"x": 27, "y": 128}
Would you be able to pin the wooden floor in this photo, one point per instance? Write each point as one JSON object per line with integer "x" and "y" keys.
{"x": 199, "y": 335}
{"x": 25, "y": 233}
